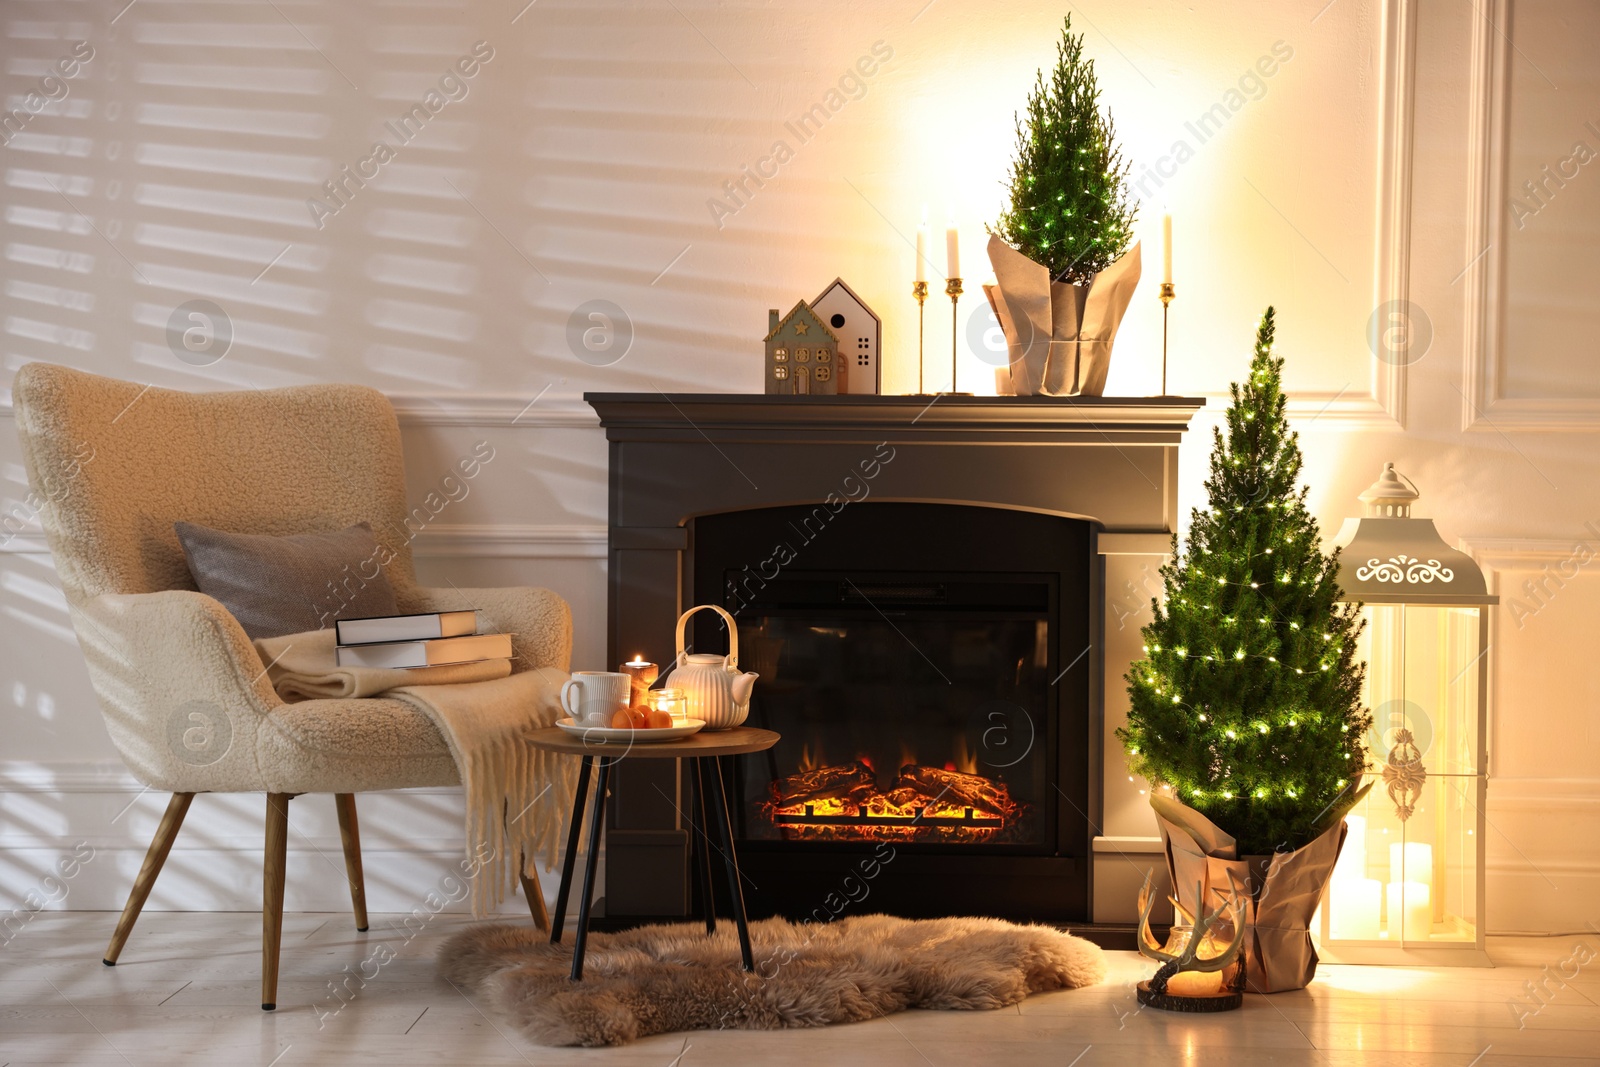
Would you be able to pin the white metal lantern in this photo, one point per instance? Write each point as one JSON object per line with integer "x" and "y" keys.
{"x": 1409, "y": 884}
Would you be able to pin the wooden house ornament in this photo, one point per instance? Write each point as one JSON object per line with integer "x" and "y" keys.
{"x": 802, "y": 354}
{"x": 860, "y": 335}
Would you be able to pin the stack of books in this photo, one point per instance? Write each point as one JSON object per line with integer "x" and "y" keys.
{"x": 430, "y": 640}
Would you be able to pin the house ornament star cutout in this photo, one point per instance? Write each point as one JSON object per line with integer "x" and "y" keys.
{"x": 801, "y": 328}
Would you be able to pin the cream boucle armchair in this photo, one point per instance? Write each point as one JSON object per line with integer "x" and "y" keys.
{"x": 186, "y": 698}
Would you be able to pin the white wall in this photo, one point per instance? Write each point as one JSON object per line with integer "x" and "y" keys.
{"x": 1373, "y": 164}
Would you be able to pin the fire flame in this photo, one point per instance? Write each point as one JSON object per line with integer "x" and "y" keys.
{"x": 965, "y": 761}
{"x": 908, "y": 758}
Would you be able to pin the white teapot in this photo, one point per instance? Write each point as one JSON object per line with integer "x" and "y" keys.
{"x": 715, "y": 689}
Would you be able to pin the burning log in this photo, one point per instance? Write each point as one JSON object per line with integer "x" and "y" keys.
{"x": 852, "y": 783}
{"x": 953, "y": 789}
{"x": 903, "y": 798}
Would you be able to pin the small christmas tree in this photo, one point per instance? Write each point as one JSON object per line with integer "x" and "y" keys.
{"x": 1069, "y": 191}
{"x": 1247, "y": 706}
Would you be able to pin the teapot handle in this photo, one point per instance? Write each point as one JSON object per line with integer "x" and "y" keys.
{"x": 732, "y": 658}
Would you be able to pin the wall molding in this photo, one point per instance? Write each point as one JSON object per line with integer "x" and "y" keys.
{"x": 1510, "y": 553}
{"x": 1344, "y": 408}
{"x": 1543, "y": 869}
{"x": 113, "y": 776}
{"x": 482, "y": 410}
{"x": 1383, "y": 405}
{"x": 25, "y": 542}
{"x": 1488, "y": 155}
{"x": 77, "y": 776}
{"x": 487, "y": 410}
{"x": 512, "y": 541}
{"x": 1494, "y": 555}
{"x": 1397, "y": 135}
{"x": 447, "y": 541}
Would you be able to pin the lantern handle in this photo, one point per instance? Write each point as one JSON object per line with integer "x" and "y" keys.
{"x": 1411, "y": 485}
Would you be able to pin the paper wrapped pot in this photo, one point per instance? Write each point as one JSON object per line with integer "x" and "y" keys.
{"x": 1285, "y": 889}
{"x": 1058, "y": 336}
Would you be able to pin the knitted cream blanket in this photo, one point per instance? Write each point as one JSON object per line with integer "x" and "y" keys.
{"x": 516, "y": 795}
{"x": 305, "y": 667}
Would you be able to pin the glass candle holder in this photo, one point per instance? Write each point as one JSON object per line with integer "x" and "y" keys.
{"x": 673, "y": 702}
{"x": 643, "y": 673}
{"x": 1192, "y": 983}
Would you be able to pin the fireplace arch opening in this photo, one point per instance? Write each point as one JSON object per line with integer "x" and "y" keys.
{"x": 927, "y": 667}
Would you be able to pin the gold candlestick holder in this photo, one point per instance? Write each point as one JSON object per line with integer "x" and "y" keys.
{"x": 1166, "y": 299}
{"x": 920, "y": 291}
{"x": 952, "y": 288}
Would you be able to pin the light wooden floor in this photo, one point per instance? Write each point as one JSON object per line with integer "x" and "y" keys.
{"x": 186, "y": 994}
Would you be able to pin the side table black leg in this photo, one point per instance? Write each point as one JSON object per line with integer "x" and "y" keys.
{"x": 701, "y": 856}
{"x": 559, "y": 920}
{"x": 719, "y": 804}
{"x": 597, "y": 825}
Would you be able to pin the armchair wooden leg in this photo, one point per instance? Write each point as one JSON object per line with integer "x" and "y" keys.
{"x": 535, "y": 894}
{"x": 160, "y": 845}
{"x": 273, "y": 871}
{"x": 350, "y": 834}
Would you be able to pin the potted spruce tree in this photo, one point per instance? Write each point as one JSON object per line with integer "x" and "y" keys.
{"x": 1060, "y": 249}
{"x": 1246, "y": 711}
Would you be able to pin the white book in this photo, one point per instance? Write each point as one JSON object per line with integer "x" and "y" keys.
{"x": 426, "y": 653}
{"x": 425, "y": 627}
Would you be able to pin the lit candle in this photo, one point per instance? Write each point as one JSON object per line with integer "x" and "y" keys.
{"x": 1195, "y": 983}
{"x": 1192, "y": 983}
{"x": 1166, "y": 248}
{"x": 952, "y": 249}
{"x": 1411, "y": 862}
{"x": 1410, "y": 911}
{"x": 922, "y": 247}
{"x": 643, "y": 673}
{"x": 1352, "y": 863}
{"x": 672, "y": 702}
{"x": 1357, "y": 908}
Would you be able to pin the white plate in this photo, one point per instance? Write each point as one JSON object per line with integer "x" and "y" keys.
{"x": 608, "y": 735}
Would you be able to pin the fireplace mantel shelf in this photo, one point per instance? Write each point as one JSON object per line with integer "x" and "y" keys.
{"x": 1038, "y": 418}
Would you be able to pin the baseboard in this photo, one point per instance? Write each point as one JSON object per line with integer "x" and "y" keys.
{"x": 1117, "y": 937}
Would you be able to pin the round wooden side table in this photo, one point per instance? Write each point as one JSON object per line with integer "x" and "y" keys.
{"x": 707, "y": 749}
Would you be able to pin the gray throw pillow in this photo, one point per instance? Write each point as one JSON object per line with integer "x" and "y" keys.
{"x": 286, "y": 585}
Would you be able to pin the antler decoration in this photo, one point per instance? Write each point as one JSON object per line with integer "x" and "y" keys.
{"x": 1189, "y": 958}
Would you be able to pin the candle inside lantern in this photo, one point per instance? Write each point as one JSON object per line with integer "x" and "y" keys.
{"x": 1166, "y": 248}
{"x": 643, "y": 673}
{"x": 1411, "y": 862}
{"x": 1357, "y": 909}
{"x": 952, "y": 250}
{"x": 1409, "y": 904}
{"x": 1352, "y": 862}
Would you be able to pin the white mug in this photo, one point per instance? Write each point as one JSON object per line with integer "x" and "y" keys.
{"x": 593, "y": 697}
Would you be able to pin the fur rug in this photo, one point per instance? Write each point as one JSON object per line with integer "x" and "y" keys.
{"x": 657, "y": 979}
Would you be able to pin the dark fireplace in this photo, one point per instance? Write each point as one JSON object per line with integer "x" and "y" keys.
{"x": 987, "y": 517}
{"x": 927, "y": 667}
